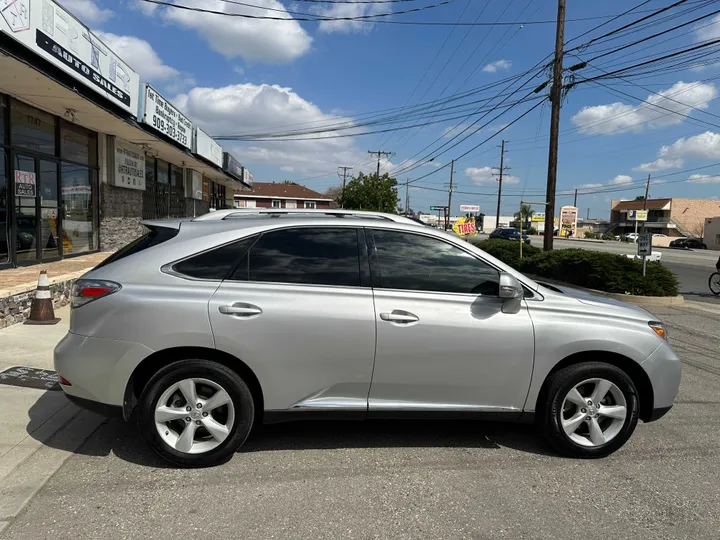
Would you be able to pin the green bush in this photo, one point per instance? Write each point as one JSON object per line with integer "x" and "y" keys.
{"x": 592, "y": 235}
{"x": 608, "y": 236}
{"x": 507, "y": 251}
{"x": 601, "y": 271}
{"x": 531, "y": 230}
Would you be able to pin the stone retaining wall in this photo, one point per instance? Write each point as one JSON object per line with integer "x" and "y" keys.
{"x": 16, "y": 308}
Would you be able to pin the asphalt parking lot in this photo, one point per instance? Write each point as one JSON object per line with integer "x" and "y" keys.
{"x": 421, "y": 479}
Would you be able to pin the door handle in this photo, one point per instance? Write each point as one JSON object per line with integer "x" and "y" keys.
{"x": 400, "y": 317}
{"x": 240, "y": 310}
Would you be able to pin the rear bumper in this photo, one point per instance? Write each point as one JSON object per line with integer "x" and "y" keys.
{"x": 98, "y": 369}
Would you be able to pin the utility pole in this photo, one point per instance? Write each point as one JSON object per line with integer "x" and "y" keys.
{"x": 344, "y": 179}
{"x": 555, "y": 98}
{"x": 380, "y": 155}
{"x": 450, "y": 190}
{"x": 502, "y": 169}
{"x": 647, "y": 191}
{"x": 575, "y": 199}
{"x": 407, "y": 197}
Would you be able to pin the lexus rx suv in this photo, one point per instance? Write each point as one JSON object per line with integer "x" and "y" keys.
{"x": 204, "y": 327}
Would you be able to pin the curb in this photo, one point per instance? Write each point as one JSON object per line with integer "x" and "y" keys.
{"x": 37, "y": 462}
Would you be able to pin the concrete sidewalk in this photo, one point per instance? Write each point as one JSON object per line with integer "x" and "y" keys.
{"x": 39, "y": 429}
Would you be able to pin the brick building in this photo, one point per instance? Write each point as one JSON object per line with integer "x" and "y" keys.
{"x": 281, "y": 195}
{"x": 671, "y": 217}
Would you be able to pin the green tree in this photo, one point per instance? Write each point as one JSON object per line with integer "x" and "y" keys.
{"x": 527, "y": 213}
{"x": 368, "y": 192}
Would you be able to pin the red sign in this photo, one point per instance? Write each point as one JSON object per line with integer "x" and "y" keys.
{"x": 466, "y": 228}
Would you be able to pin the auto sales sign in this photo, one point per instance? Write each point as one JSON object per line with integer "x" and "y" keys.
{"x": 53, "y": 33}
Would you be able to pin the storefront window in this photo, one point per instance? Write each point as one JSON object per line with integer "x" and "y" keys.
{"x": 3, "y": 113}
{"x": 163, "y": 172}
{"x": 78, "y": 185}
{"x": 149, "y": 169}
{"x": 32, "y": 129}
{"x": 78, "y": 144}
{"x": 4, "y": 214}
{"x": 176, "y": 178}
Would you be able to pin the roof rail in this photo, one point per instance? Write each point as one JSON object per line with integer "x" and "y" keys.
{"x": 231, "y": 213}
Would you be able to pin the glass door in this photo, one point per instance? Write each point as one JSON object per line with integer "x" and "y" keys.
{"x": 36, "y": 210}
{"x": 4, "y": 212}
{"x": 26, "y": 224}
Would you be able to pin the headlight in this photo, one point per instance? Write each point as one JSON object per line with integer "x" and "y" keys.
{"x": 658, "y": 328}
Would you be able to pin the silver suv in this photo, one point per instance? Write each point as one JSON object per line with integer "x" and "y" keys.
{"x": 206, "y": 327}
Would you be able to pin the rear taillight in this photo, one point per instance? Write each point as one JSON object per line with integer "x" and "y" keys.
{"x": 87, "y": 290}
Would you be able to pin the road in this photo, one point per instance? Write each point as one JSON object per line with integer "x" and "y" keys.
{"x": 693, "y": 268}
{"x": 427, "y": 480}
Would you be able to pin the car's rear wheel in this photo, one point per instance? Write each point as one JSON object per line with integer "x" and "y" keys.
{"x": 591, "y": 410}
{"x": 196, "y": 413}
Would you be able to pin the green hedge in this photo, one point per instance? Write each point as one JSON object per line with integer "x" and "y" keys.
{"x": 590, "y": 269}
{"x": 507, "y": 251}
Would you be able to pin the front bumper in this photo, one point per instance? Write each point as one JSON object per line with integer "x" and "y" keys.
{"x": 98, "y": 369}
{"x": 663, "y": 369}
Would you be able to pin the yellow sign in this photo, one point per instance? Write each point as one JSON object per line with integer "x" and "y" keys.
{"x": 465, "y": 227}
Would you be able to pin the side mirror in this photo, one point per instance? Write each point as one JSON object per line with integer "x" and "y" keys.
{"x": 510, "y": 288}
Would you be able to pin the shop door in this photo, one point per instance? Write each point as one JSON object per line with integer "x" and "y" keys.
{"x": 35, "y": 185}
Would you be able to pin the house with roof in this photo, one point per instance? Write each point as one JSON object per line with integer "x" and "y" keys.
{"x": 281, "y": 195}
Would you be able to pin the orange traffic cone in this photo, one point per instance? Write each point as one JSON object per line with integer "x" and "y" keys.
{"x": 41, "y": 310}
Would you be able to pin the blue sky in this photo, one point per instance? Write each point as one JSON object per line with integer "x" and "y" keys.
{"x": 234, "y": 75}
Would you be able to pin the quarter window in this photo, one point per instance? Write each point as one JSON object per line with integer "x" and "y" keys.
{"x": 420, "y": 263}
{"x": 304, "y": 256}
{"x": 216, "y": 263}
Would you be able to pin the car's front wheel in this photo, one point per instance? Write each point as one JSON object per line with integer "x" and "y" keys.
{"x": 196, "y": 413}
{"x": 591, "y": 410}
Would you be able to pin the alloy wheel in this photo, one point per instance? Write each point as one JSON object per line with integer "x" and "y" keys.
{"x": 593, "y": 412}
{"x": 194, "y": 415}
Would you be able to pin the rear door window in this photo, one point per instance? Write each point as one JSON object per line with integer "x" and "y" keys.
{"x": 312, "y": 256}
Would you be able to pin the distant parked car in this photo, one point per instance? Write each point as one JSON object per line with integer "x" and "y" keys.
{"x": 632, "y": 237}
{"x": 659, "y": 235}
{"x": 688, "y": 243}
{"x": 509, "y": 233}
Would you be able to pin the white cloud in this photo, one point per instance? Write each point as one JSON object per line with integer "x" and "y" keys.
{"x": 498, "y": 65}
{"x": 708, "y": 31}
{"x": 660, "y": 164}
{"x": 705, "y": 145}
{"x": 87, "y": 10}
{"x": 619, "y": 117}
{"x": 340, "y": 10}
{"x": 254, "y": 40}
{"x": 141, "y": 56}
{"x": 704, "y": 179}
{"x": 239, "y": 70}
{"x": 621, "y": 179}
{"x": 590, "y": 186}
{"x": 146, "y": 7}
{"x": 484, "y": 175}
{"x": 253, "y": 108}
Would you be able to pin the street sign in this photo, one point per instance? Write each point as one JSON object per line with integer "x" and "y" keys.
{"x": 644, "y": 245}
{"x": 437, "y": 208}
{"x": 469, "y": 208}
{"x": 637, "y": 215}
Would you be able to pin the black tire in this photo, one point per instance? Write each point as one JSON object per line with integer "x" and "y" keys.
{"x": 240, "y": 395}
{"x": 710, "y": 284}
{"x": 560, "y": 383}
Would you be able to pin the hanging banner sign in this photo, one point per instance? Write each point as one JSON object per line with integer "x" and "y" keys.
{"x": 25, "y": 184}
{"x": 464, "y": 227}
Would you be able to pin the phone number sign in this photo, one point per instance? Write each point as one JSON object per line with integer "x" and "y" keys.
{"x": 162, "y": 116}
